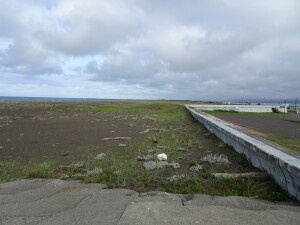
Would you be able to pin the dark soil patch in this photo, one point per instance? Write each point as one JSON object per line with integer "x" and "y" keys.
{"x": 32, "y": 135}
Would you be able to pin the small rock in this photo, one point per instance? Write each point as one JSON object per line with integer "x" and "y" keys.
{"x": 162, "y": 157}
{"x": 154, "y": 140}
{"x": 122, "y": 145}
{"x": 64, "y": 177}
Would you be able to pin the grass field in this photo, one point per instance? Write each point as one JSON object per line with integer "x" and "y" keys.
{"x": 193, "y": 153}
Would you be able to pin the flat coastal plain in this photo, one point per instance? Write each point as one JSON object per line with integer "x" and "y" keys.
{"x": 116, "y": 143}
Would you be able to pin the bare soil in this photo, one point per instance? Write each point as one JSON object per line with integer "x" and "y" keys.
{"x": 73, "y": 132}
{"x": 65, "y": 134}
{"x": 35, "y": 135}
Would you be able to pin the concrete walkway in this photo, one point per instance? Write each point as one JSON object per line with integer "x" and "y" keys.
{"x": 57, "y": 202}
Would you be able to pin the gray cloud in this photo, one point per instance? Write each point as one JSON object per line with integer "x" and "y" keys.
{"x": 190, "y": 49}
{"x": 126, "y": 67}
{"x": 28, "y": 57}
{"x": 89, "y": 28}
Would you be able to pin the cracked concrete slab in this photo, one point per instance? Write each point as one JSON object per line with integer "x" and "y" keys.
{"x": 57, "y": 202}
{"x": 147, "y": 213}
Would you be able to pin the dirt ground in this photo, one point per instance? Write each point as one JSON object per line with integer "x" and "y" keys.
{"x": 34, "y": 132}
{"x": 281, "y": 125}
{"x": 51, "y": 140}
{"x": 35, "y": 135}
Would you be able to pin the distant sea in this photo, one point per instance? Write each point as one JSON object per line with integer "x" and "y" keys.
{"x": 45, "y": 99}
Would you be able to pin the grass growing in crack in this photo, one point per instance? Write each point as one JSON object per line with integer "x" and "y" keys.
{"x": 42, "y": 170}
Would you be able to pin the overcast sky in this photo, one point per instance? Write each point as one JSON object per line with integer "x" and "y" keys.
{"x": 151, "y": 49}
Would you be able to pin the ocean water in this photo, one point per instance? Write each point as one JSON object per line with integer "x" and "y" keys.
{"x": 46, "y": 99}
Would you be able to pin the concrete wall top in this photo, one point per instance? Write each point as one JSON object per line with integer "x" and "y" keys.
{"x": 260, "y": 145}
{"x": 284, "y": 168}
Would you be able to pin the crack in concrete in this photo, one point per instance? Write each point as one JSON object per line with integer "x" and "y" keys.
{"x": 183, "y": 200}
{"x": 80, "y": 201}
{"x": 120, "y": 217}
{"x": 283, "y": 175}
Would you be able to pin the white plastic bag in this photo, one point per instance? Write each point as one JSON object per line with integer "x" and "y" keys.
{"x": 162, "y": 157}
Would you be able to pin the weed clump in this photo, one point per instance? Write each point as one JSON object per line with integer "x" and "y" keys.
{"x": 154, "y": 165}
{"x": 174, "y": 165}
{"x": 43, "y": 170}
{"x": 94, "y": 172}
{"x": 215, "y": 158}
{"x": 145, "y": 157}
{"x": 175, "y": 178}
{"x": 100, "y": 156}
{"x": 78, "y": 165}
{"x": 76, "y": 175}
{"x": 196, "y": 168}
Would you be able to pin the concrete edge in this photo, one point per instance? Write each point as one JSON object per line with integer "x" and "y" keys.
{"x": 285, "y": 169}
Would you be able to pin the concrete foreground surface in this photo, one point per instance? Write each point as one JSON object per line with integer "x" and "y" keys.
{"x": 57, "y": 202}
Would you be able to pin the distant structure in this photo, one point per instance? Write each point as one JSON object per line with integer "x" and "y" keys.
{"x": 243, "y": 108}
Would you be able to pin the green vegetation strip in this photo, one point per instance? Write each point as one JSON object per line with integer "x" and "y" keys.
{"x": 288, "y": 142}
{"x": 193, "y": 156}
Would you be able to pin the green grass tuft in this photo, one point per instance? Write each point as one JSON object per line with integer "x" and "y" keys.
{"x": 42, "y": 170}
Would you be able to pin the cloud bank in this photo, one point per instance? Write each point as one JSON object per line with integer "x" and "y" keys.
{"x": 200, "y": 50}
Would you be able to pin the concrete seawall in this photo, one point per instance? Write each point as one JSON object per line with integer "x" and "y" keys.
{"x": 284, "y": 168}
